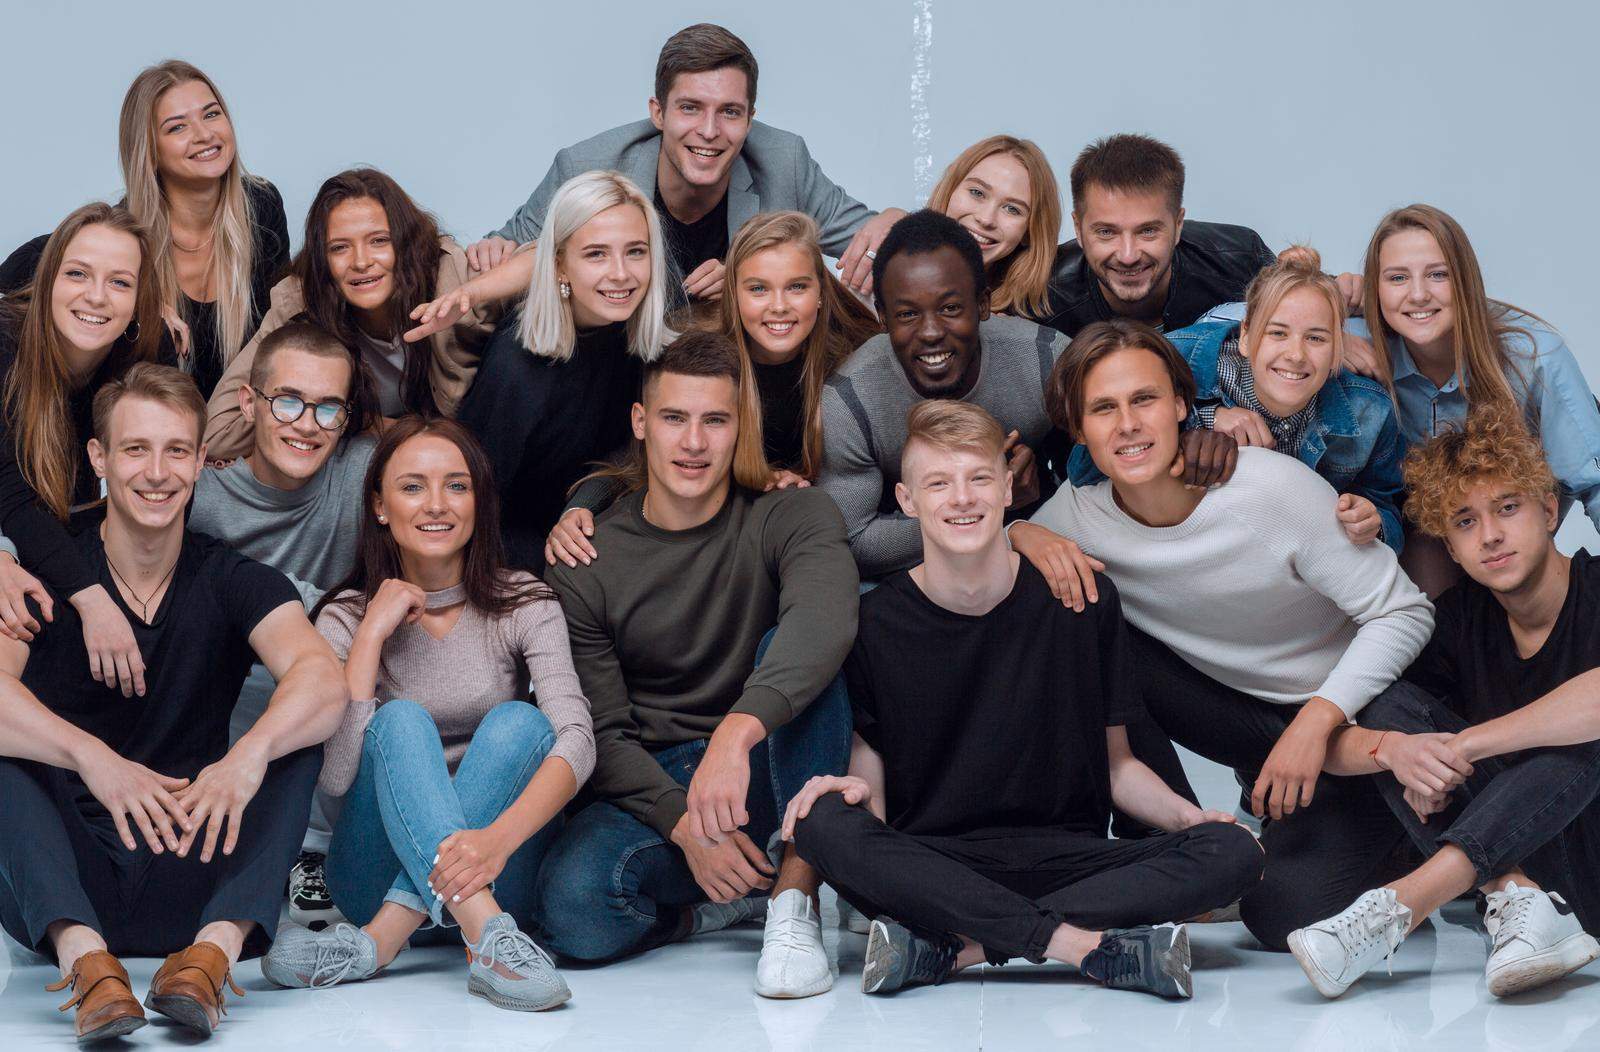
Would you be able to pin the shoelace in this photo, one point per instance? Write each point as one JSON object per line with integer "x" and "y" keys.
{"x": 312, "y": 882}
{"x": 1356, "y": 930}
{"x": 336, "y": 961}
{"x": 934, "y": 960}
{"x": 1512, "y": 912}
{"x": 1121, "y": 963}
{"x": 512, "y": 948}
{"x": 789, "y": 933}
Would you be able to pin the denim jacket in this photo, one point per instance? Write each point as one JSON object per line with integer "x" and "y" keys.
{"x": 1554, "y": 396}
{"x": 1354, "y": 442}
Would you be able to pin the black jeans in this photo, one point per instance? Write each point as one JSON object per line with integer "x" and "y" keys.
{"x": 1533, "y": 809}
{"x": 61, "y": 859}
{"x": 1319, "y": 859}
{"x": 1009, "y": 889}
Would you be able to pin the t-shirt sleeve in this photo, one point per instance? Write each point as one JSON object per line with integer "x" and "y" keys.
{"x": 251, "y": 591}
{"x": 1118, "y": 683}
{"x": 863, "y": 702}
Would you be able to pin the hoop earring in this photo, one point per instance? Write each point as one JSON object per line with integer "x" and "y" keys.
{"x": 566, "y": 290}
{"x": 131, "y": 333}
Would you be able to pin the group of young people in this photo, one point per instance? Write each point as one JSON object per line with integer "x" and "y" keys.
{"x": 628, "y": 574}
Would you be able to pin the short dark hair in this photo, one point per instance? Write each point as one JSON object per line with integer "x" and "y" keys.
{"x": 698, "y": 352}
{"x": 701, "y": 48}
{"x": 1128, "y": 162}
{"x": 928, "y": 231}
{"x": 1063, "y": 397}
{"x": 302, "y": 335}
{"x": 163, "y": 384}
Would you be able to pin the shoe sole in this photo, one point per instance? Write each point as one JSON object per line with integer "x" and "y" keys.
{"x": 1175, "y": 965}
{"x": 792, "y": 993}
{"x": 1560, "y": 960}
{"x": 883, "y": 960}
{"x": 1326, "y": 986}
{"x": 479, "y": 988}
{"x": 116, "y": 1028}
{"x": 184, "y": 1010}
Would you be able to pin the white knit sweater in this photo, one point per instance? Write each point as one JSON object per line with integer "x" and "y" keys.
{"x": 1259, "y": 588}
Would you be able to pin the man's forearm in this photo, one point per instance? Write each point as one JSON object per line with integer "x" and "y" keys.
{"x": 304, "y": 710}
{"x": 29, "y": 731}
{"x": 1140, "y": 793}
{"x": 1568, "y": 715}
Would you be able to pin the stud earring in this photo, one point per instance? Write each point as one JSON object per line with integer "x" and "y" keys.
{"x": 566, "y": 290}
{"x": 383, "y": 520}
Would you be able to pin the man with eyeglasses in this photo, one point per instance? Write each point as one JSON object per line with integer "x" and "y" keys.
{"x": 294, "y": 502}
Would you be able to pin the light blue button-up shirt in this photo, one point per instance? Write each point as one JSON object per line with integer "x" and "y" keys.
{"x": 1551, "y": 389}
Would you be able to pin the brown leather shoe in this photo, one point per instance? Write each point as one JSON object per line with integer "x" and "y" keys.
{"x": 188, "y": 987}
{"x": 106, "y": 1005}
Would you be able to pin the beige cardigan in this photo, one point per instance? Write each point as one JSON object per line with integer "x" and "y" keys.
{"x": 453, "y": 364}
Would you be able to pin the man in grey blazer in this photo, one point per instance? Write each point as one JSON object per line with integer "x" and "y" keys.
{"x": 710, "y": 166}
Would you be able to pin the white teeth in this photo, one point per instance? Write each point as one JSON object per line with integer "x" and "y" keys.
{"x": 984, "y": 241}
{"x": 90, "y": 319}
{"x": 1287, "y": 375}
{"x": 1421, "y": 315}
{"x": 295, "y": 443}
{"x": 937, "y": 358}
{"x": 616, "y": 294}
{"x": 435, "y": 527}
{"x": 779, "y": 328}
{"x": 207, "y": 153}
{"x": 1133, "y": 451}
{"x": 701, "y": 151}
{"x": 965, "y": 520}
{"x": 155, "y": 498}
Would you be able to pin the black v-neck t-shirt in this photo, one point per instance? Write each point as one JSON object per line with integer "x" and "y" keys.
{"x": 1471, "y": 663}
{"x": 993, "y": 722}
{"x": 196, "y": 652}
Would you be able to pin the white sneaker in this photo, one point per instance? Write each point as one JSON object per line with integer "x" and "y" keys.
{"x": 853, "y": 920}
{"x": 793, "y": 961}
{"x": 1338, "y": 951}
{"x": 1537, "y": 940}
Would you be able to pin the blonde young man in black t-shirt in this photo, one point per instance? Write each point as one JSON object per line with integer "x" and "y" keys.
{"x": 129, "y": 826}
{"x": 989, "y": 749}
{"x": 1498, "y": 780}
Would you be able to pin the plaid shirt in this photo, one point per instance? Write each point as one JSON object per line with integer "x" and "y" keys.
{"x": 1239, "y": 384}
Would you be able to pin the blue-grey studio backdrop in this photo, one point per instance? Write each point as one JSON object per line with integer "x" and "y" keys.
{"x": 1305, "y": 121}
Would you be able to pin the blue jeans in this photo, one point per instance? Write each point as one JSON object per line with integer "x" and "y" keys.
{"x": 404, "y": 803}
{"x": 612, "y": 886}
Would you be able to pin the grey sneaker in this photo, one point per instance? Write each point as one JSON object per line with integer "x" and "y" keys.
{"x": 714, "y": 916}
{"x": 301, "y": 957}
{"x": 1151, "y": 959}
{"x": 896, "y": 958}
{"x": 510, "y": 970}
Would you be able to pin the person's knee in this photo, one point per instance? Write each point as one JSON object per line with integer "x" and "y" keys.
{"x": 574, "y": 904}
{"x": 1401, "y": 706}
{"x": 400, "y": 717}
{"x": 821, "y": 827}
{"x": 1270, "y": 911}
{"x": 1234, "y": 856}
{"x": 516, "y": 727}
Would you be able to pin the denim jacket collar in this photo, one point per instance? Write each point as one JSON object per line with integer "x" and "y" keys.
{"x": 1335, "y": 414}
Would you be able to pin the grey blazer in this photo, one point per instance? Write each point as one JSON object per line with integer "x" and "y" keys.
{"x": 773, "y": 172}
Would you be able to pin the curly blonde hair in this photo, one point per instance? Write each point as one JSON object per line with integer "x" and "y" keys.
{"x": 1495, "y": 443}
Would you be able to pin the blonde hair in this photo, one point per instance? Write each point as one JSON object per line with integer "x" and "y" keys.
{"x": 949, "y": 425}
{"x": 546, "y": 327}
{"x": 1482, "y": 359}
{"x": 843, "y": 322}
{"x": 1297, "y": 267}
{"x": 153, "y": 382}
{"x": 39, "y": 387}
{"x": 1494, "y": 443}
{"x": 232, "y": 225}
{"x": 1026, "y": 272}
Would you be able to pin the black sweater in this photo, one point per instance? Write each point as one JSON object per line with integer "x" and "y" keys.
{"x": 268, "y": 262}
{"x": 544, "y": 423}
{"x": 783, "y": 410}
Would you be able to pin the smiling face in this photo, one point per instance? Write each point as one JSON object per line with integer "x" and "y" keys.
{"x": 361, "y": 255}
{"x": 427, "y": 496}
{"x": 1131, "y": 416}
{"x": 1295, "y": 354}
{"x": 1503, "y": 538}
{"x": 1414, "y": 290}
{"x": 958, "y": 496}
{"x": 1128, "y": 239}
{"x": 94, "y": 294}
{"x": 931, "y": 310}
{"x": 779, "y": 298}
{"x": 606, "y": 261}
{"x": 194, "y": 138}
{"x": 286, "y": 455}
{"x": 150, "y": 460}
{"x": 703, "y": 122}
{"x": 689, "y": 426}
{"x": 993, "y": 204}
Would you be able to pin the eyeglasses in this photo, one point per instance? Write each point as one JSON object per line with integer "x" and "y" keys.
{"x": 287, "y": 408}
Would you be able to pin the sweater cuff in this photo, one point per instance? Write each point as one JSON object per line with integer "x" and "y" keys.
{"x": 767, "y": 705}
{"x": 667, "y": 812}
{"x": 1345, "y": 696}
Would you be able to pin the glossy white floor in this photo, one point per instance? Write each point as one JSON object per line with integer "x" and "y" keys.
{"x": 697, "y": 995}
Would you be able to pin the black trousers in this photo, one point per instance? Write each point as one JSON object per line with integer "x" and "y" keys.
{"x": 1533, "y": 809}
{"x": 61, "y": 859}
{"x": 1009, "y": 889}
{"x": 1319, "y": 859}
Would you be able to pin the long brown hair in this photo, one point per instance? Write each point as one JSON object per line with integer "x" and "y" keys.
{"x": 1482, "y": 358}
{"x": 39, "y": 388}
{"x": 415, "y": 234}
{"x": 1018, "y": 286}
{"x": 843, "y": 323}
{"x": 232, "y": 225}
{"x": 489, "y": 586}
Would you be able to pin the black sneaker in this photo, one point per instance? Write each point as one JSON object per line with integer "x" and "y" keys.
{"x": 310, "y": 904}
{"x": 1152, "y": 959}
{"x": 896, "y": 958}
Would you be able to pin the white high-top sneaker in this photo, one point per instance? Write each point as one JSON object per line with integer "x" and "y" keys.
{"x": 1537, "y": 940}
{"x": 1338, "y": 951}
{"x": 793, "y": 961}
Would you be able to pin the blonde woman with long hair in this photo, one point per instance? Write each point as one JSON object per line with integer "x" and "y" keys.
{"x": 218, "y": 235}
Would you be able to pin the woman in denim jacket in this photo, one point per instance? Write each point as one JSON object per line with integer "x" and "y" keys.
{"x": 1275, "y": 380}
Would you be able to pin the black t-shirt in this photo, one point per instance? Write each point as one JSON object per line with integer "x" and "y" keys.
{"x": 783, "y": 410}
{"x": 196, "y": 653}
{"x": 1471, "y": 663}
{"x": 993, "y": 722}
{"x": 691, "y": 244}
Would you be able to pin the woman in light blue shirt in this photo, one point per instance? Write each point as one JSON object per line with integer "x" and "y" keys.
{"x": 1450, "y": 346}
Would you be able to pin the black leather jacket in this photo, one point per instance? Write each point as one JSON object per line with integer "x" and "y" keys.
{"x": 1211, "y": 265}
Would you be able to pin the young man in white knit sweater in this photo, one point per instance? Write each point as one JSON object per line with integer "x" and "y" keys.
{"x": 1261, "y": 631}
